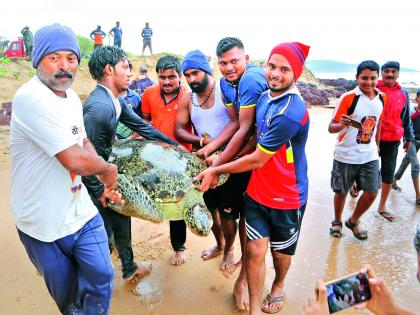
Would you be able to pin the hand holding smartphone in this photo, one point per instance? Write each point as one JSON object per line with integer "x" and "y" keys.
{"x": 347, "y": 291}
{"x": 355, "y": 124}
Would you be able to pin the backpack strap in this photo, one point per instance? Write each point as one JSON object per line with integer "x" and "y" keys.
{"x": 381, "y": 97}
{"x": 352, "y": 107}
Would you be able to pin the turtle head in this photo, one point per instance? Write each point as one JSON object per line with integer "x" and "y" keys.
{"x": 198, "y": 219}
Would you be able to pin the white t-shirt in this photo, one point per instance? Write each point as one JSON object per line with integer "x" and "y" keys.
{"x": 48, "y": 202}
{"x": 356, "y": 146}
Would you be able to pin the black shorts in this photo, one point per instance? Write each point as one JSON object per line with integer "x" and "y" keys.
{"x": 280, "y": 225}
{"x": 228, "y": 198}
{"x": 389, "y": 152}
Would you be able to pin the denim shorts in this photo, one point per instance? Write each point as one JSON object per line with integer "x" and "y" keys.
{"x": 367, "y": 176}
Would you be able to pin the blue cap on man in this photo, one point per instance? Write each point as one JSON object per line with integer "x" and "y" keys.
{"x": 196, "y": 60}
{"x": 52, "y": 38}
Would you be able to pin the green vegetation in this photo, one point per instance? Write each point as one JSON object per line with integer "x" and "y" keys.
{"x": 4, "y": 60}
{"x": 3, "y": 72}
{"x": 86, "y": 46}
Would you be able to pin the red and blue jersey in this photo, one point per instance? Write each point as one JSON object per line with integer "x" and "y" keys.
{"x": 282, "y": 130}
{"x": 245, "y": 94}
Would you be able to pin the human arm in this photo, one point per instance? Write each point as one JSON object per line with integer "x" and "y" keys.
{"x": 318, "y": 306}
{"x": 91, "y": 35}
{"x": 183, "y": 120}
{"x": 378, "y": 133}
{"x": 406, "y": 123}
{"x": 248, "y": 162}
{"x": 246, "y": 124}
{"x": 227, "y": 133}
{"x": 143, "y": 128}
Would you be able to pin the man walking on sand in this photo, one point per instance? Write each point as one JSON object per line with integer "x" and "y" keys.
{"x": 274, "y": 209}
{"x": 396, "y": 124}
{"x": 58, "y": 224}
{"x": 199, "y": 107}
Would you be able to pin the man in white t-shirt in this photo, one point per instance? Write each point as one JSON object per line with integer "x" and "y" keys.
{"x": 357, "y": 119}
{"x": 57, "y": 222}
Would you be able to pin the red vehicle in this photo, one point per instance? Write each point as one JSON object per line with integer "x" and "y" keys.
{"x": 15, "y": 49}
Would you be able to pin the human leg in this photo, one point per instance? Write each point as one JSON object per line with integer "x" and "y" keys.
{"x": 212, "y": 200}
{"x": 240, "y": 289}
{"x": 121, "y": 229}
{"x": 178, "y": 235}
{"x": 94, "y": 267}
{"x": 389, "y": 152}
{"x": 58, "y": 270}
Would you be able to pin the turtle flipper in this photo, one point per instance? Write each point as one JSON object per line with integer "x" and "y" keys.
{"x": 196, "y": 216}
{"x": 137, "y": 201}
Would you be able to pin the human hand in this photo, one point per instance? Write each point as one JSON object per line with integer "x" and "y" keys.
{"x": 345, "y": 120}
{"x": 407, "y": 145}
{"x": 109, "y": 176}
{"x": 318, "y": 306}
{"x": 383, "y": 300}
{"x": 209, "y": 179}
{"x": 111, "y": 196}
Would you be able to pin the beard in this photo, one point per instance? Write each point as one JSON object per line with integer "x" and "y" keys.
{"x": 52, "y": 80}
{"x": 281, "y": 89}
{"x": 198, "y": 87}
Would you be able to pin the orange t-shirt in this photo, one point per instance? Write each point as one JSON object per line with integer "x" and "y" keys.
{"x": 163, "y": 116}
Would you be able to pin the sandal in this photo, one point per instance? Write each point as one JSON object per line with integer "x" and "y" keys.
{"x": 354, "y": 191}
{"x": 396, "y": 187}
{"x": 270, "y": 300}
{"x": 334, "y": 231}
{"x": 387, "y": 215}
{"x": 360, "y": 234}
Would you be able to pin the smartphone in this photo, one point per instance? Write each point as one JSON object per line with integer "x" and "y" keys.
{"x": 356, "y": 124}
{"x": 348, "y": 291}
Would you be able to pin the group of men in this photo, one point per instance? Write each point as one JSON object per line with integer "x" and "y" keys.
{"x": 63, "y": 147}
{"x": 370, "y": 121}
{"x": 98, "y": 35}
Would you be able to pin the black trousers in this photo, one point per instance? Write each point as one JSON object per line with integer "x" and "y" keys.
{"x": 118, "y": 229}
{"x": 178, "y": 234}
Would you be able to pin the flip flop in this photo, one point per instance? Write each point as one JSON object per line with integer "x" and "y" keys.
{"x": 361, "y": 234}
{"x": 270, "y": 300}
{"x": 387, "y": 215}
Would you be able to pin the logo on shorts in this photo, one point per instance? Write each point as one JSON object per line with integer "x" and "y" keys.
{"x": 292, "y": 231}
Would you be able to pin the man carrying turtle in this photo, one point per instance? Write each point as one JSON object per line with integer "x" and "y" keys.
{"x": 199, "y": 107}
{"x": 102, "y": 111}
{"x": 274, "y": 208}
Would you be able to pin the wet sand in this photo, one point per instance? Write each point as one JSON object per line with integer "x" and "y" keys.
{"x": 198, "y": 287}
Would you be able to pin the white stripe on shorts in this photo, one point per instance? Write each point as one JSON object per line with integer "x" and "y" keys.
{"x": 251, "y": 232}
{"x": 285, "y": 244}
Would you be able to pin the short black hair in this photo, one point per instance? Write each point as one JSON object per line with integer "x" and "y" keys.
{"x": 168, "y": 62}
{"x": 418, "y": 93}
{"x": 228, "y": 43}
{"x": 102, "y": 56}
{"x": 367, "y": 64}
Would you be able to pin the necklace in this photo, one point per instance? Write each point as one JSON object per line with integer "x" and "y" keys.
{"x": 207, "y": 97}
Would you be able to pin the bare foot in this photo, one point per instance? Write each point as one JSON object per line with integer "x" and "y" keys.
{"x": 178, "y": 258}
{"x": 143, "y": 269}
{"x": 230, "y": 270}
{"x": 211, "y": 253}
{"x": 241, "y": 296}
{"x": 228, "y": 260}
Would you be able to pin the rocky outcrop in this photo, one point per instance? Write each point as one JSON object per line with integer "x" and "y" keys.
{"x": 5, "y": 113}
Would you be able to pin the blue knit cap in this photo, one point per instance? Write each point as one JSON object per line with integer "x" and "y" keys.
{"x": 196, "y": 60}
{"x": 52, "y": 38}
{"x": 391, "y": 64}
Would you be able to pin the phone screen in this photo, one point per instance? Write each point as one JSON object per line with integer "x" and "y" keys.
{"x": 356, "y": 124}
{"x": 348, "y": 291}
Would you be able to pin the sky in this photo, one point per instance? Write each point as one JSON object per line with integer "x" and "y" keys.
{"x": 348, "y": 31}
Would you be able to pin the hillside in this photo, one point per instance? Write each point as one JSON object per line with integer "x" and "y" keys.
{"x": 16, "y": 72}
{"x": 323, "y": 66}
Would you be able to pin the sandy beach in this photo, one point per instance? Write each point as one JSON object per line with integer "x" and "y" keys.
{"x": 198, "y": 287}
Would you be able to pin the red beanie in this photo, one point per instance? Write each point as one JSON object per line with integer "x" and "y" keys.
{"x": 295, "y": 53}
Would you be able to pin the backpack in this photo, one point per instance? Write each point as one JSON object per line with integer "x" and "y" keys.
{"x": 352, "y": 107}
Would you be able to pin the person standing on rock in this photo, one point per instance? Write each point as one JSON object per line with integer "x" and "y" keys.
{"x": 61, "y": 229}
{"x": 356, "y": 156}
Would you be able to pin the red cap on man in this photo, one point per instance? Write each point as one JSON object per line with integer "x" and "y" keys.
{"x": 295, "y": 53}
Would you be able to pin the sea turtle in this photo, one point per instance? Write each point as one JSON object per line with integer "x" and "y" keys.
{"x": 156, "y": 181}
